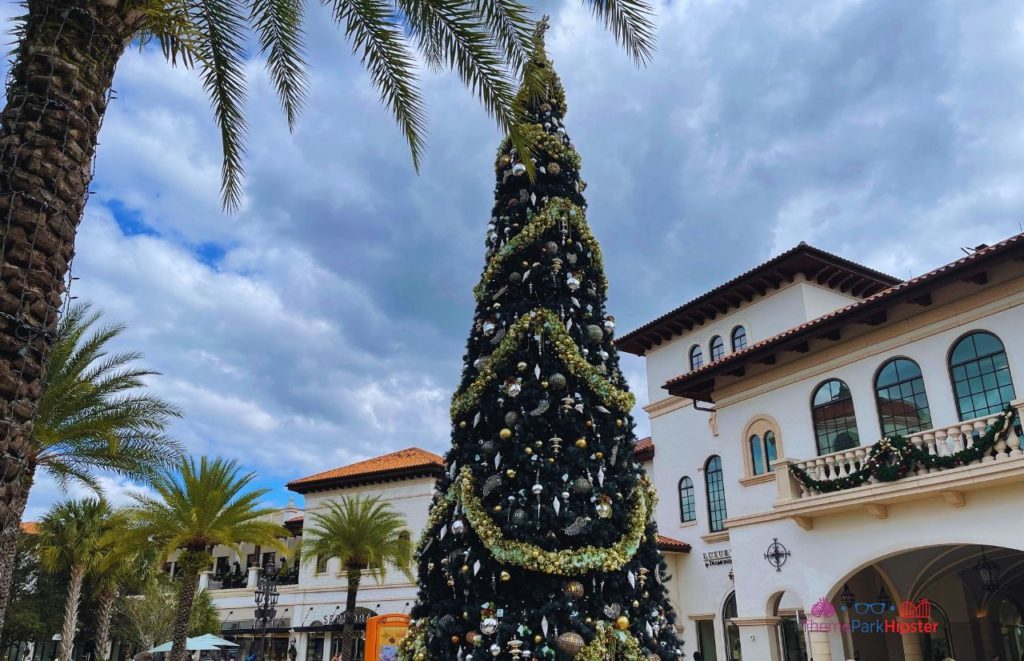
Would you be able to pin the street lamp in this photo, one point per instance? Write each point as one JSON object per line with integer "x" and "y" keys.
{"x": 989, "y": 573}
{"x": 266, "y": 602}
{"x": 847, "y": 596}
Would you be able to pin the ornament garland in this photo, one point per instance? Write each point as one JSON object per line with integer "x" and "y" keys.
{"x": 894, "y": 457}
{"x": 541, "y": 140}
{"x": 611, "y": 643}
{"x": 557, "y": 209}
{"x": 563, "y": 562}
{"x": 546, "y": 323}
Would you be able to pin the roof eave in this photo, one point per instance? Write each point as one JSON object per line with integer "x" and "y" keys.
{"x": 304, "y": 487}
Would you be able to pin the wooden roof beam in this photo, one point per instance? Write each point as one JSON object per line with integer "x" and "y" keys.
{"x": 768, "y": 360}
{"x": 924, "y": 300}
{"x": 874, "y": 319}
{"x": 833, "y": 335}
{"x": 977, "y": 278}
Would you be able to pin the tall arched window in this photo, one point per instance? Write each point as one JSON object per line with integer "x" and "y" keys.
{"x": 715, "y": 483}
{"x": 981, "y": 375}
{"x": 687, "y": 502}
{"x": 717, "y": 348}
{"x": 902, "y": 401}
{"x": 739, "y": 338}
{"x": 763, "y": 452}
{"x": 835, "y": 425}
{"x": 696, "y": 357}
{"x": 732, "y": 630}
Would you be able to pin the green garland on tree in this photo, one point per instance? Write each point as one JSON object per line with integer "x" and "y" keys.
{"x": 894, "y": 457}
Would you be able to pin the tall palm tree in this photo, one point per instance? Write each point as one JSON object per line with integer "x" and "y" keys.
{"x": 60, "y": 82}
{"x": 198, "y": 506}
{"x": 366, "y": 535}
{"x": 94, "y": 415}
{"x": 125, "y": 566}
{"x": 75, "y": 536}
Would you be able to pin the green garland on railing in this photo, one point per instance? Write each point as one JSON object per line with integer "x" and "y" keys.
{"x": 894, "y": 457}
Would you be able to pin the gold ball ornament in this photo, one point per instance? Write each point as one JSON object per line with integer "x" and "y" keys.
{"x": 528, "y": 451}
{"x": 622, "y": 623}
{"x": 505, "y": 160}
{"x": 589, "y": 423}
{"x": 505, "y": 576}
{"x": 497, "y": 508}
{"x": 473, "y": 637}
{"x": 619, "y": 422}
{"x": 544, "y": 384}
{"x": 420, "y": 656}
{"x": 574, "y": 589}
{"x": 589, "y": 620}
{"x": 505, "y": 434}
{"x": 456, "y": 640}
{"x": 521, "y": 366}
{"x": 599, "y": 455}
{"x": 462, "y": 424}
{"x": 554, "y": 168}
{"x": 464, "y": 569}
{"x": 570, "y": 642}
{"x": 526, "y": 264}
{"x": 537, "y": 639}
{"x": 636, "y": 604}
{"x": 551, "y": 460}
{"x": 510, "y": 473}
{"x": 581, "y": 443}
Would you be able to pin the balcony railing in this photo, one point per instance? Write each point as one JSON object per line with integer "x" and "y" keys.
{"x": 831, "y": 471}
{"x": 227, "y": 581}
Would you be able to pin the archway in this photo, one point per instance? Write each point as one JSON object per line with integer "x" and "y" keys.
{"x": 959, "y": 601}
{"x": 790, "y": 632}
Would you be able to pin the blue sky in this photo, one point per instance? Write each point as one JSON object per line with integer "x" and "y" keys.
{"x": 325, "y": 322}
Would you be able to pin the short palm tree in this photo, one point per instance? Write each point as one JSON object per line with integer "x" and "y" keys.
{"x": 95, "y": 415}
{"x": 75, "y": 536}
{"x": 124, "y": 566}
{"x": 198, "y": 506}
{"x": 366, "y": 535}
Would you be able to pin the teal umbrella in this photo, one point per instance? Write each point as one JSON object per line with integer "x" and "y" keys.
{"x": 205, "y": 642}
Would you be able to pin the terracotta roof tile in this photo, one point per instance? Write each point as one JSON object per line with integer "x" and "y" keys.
{"x": 906, "y": 287}
{"x": 669, "y": 544}
{"x": 644, "y": 449}
{"x": 30, "y": 527}
{"x": 378, "y": 467}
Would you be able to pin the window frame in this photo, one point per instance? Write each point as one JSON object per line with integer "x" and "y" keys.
{"x": 696, "y": 352}
{"x": 950, "y": 366}
{"x": 760, "y": 425}
{"x": 814, "y": 422}
{"x": 714, "y": 501}
{"x": 878, "y": 401}
{"x": 692, "y": 505}
{"x": 711, "y": 348}
{"x": 732, "y": 337}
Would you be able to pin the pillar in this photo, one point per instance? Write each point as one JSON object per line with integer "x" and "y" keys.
{"x": 253, "y": 579}
{"x": 912, "y": 647}
{"x": 204, "y": 580}
{"x": 759, "y": 637}
{"x": 818, "y": 638}
{"x": 988, "y": 648}
{"x": 328, "y": 643}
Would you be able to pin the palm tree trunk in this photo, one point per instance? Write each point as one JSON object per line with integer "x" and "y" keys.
{"x": 67, "y": 632}
{"x": 108, "y": 597}
{"x": 186, "y": 598}
{"x": 9, "y": 550}
{"x": 56, "y": 99}
{"x": 348, "y": 629}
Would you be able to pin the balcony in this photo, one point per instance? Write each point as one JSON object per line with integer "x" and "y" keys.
{"x": 836, "y": 488}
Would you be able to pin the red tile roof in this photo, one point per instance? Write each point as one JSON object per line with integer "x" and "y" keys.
{"x": 695, "y": 383}
{"x": 815, "y": 264}
{"x": 672, "y": 545}
{"x": 410, "y": 462}
{"x": 644, "y": 449}
{"x": 30, "y": 527}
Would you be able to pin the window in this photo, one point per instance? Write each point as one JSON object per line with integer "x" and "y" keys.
{"x": 715, "y": 483}
{"x": 696, "y": 357}
{"x": 835, "y": 425}
{"x": 321, "y": 564}
{"x": 717, "y": 348}
{"x": 739, "y": 338}
{"x": 902, "y": 401}
{"x": 981, "y": 375}
{"x": 763, "y": 452}
{"x": 687, "y": 502}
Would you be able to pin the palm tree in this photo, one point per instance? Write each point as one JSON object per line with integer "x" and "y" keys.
{"x": 366, "y": 535}
{"x": 197, "y": 507}
{"x": 93, "y": 416}
{"x": 123, "y": 567}
{"x": 75, "y": 536}
{"x": 60, "y": 82}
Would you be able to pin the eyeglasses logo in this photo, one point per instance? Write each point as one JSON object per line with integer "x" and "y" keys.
{"x": 913, "y": 617}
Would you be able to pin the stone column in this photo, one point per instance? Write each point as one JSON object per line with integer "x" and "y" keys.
{"x": 253, "y": 579}
{"x": 204, "y": 580}
{"x": 988, "y": 648}
{"x": 818, "y": 638}
{"x": 759, "y": 637}
{"x": 912, "y": 647}
{"x": 328, "y": 640}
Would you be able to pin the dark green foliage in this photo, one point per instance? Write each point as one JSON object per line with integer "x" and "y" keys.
{"x": 36, "y": 598}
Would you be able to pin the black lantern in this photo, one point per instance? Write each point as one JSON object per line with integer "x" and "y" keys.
{"x": 266, "y": 602}
{"x": 847, "y": 596}
{"x": 884, "y": 598}
{"x": 989, "y": 573}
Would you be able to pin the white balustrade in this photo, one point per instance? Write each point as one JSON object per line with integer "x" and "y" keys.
{"x": 937, "y": 442}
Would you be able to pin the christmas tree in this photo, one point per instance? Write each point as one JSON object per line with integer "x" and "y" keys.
{"x": 540, "y": 542}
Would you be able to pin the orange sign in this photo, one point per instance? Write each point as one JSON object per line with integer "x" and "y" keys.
{"x": 383, "y": 633}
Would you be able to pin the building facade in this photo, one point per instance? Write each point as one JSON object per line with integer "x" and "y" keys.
{"x": 814, "y": 538}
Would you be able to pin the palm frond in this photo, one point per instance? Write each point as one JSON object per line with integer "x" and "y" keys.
{"x": 510, "y": 25}
{"x": 278, "y": 23}
{"x": 375, "y": 34}
{"x": 632, "y": 23}
{"x": 220, "y": 52}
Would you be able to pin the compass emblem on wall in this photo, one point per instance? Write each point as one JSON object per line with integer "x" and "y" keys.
{"x": 777, "y": 554}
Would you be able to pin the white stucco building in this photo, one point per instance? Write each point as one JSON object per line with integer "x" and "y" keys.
{"x": 809, "y": 360}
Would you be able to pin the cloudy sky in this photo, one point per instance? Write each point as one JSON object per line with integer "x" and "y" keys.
{"x": 325, "y": 323}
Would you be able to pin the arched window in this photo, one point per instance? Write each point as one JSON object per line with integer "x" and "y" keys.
{"x": 763, "y": 452}
{"x": 835, "y": 425}
{"x": 739, "y": 338}
{"x": 696, "y": 357}
{"x": 717, "y": 348}
{"x": 715, "y": 483}
{"x": 902, "y": 401}
{"x": 981, "y": 375}
{"x": 687, "y": 502}
{"x": 732, "y": 630}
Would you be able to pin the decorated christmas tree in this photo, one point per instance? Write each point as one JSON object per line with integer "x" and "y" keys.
{"x": 541, "y": 541}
